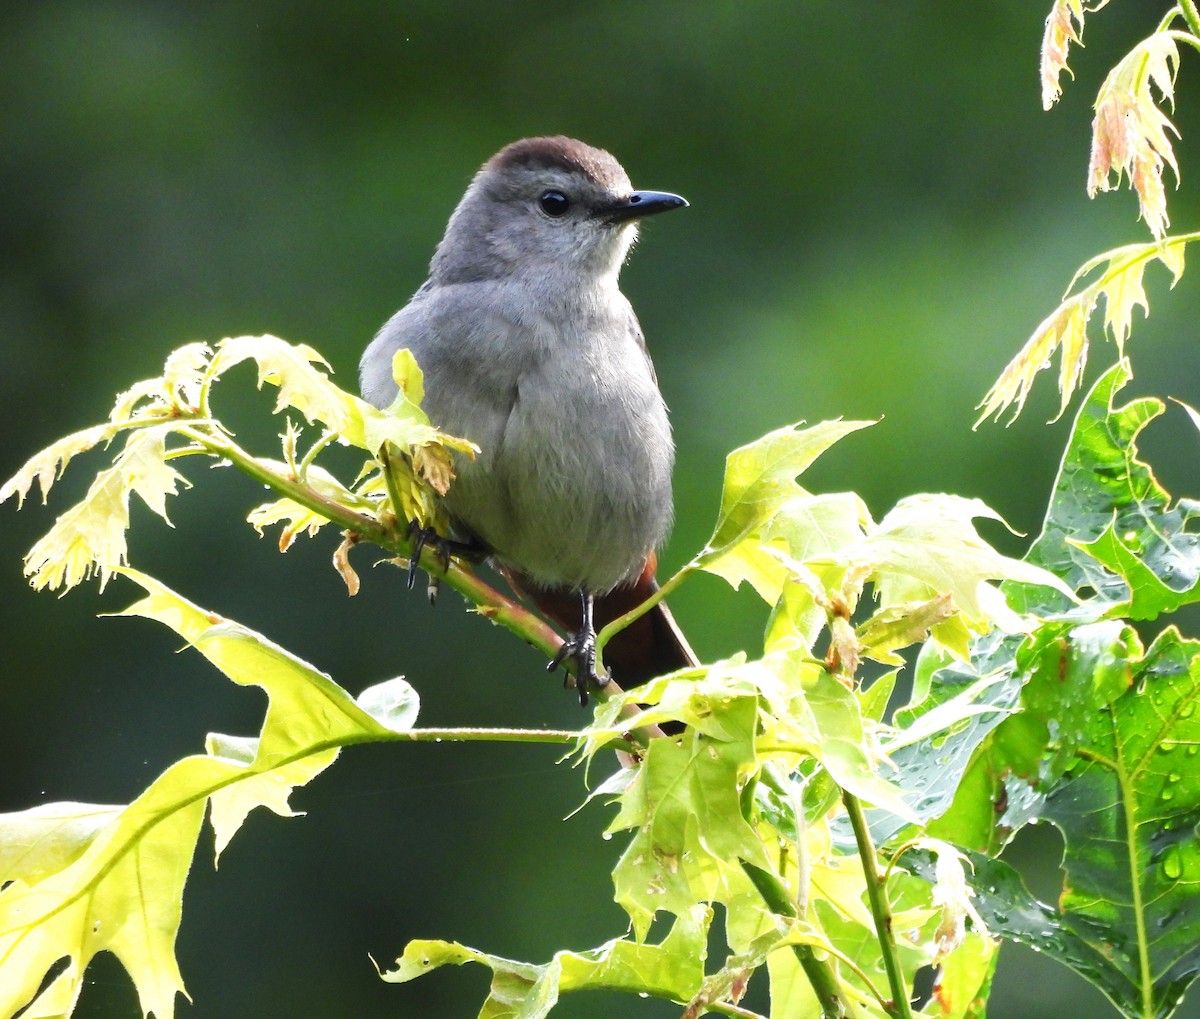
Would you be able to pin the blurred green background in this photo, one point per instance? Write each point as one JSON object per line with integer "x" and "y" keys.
{"x": 881, "y": 213}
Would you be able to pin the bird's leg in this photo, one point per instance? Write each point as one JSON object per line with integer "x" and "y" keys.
{"x": 444, "y": 548}
{"x": 582, "y": 648}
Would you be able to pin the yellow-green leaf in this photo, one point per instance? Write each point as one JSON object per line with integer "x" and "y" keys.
{"x": 928, "y": 546}
{"x": 672, "y": 969}
{"x": 761, "y": 476}
{"x": 90, "y": 537}
{"x": 46, "y": 467}
{"x": 293, "y": 368}
{"x": 1120, "y": 283}
{"x": 83, "y": 879}
{"x": 765, "y": 511}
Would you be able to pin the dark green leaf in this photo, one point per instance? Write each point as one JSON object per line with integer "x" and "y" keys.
{"x": 1111, "y": 531}
{"x": 1108, "y": 749}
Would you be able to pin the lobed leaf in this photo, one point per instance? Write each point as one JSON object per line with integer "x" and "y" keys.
{"x": 1120, "y": 284}
{"x": 928, "y": 546}
{"x": 684, "y": 806}
{"x": 77, "y": 880}
{"x": 296, "y": 370}
{"x": 760, "y": 479}
{"x": 151, "y": 402}
{"x": 1064, "y": 25}
{"x": 47, "y": 466}
{"x": 672, "y": 969}
{"x": 42, "y": 840}
{"x": 1103, "y": 750}
{"x": 1112, "y": 531}
{"x": 90, "y": 537}
{"x": 1129, "y": 132}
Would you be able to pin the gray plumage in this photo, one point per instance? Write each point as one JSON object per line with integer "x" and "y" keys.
{"x": 530, "y": 350}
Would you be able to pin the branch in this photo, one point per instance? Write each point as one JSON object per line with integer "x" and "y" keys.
{"x": 1191, "y": 15}
{"x": 881, "y": 908}
{"x": 488, "y": 601}
{"x": 820, "y": 974}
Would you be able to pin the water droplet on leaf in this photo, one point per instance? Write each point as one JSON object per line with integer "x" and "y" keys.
{"x": 1171, "y": 866}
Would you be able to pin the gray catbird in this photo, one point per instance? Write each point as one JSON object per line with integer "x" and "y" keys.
{"x": 530, "y": 350}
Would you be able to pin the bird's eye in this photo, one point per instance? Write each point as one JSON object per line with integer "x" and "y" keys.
{"x": 554, "y": 203}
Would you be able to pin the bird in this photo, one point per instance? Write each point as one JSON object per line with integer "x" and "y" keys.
{"x": 529, "y": 349}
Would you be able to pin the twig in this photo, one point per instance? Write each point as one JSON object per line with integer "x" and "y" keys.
{"x": 820, "y": 974}
{"x": 881, "y": 908}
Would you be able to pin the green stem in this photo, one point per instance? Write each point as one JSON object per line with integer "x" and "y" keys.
{"x": 471, "y": 735}
{"x": 389, "y": 479}
{"x": 311, "y": 455}
{"x": 296, "y": 490}
{"x": 619, "y": 624}
{"x": 1187, "y": 38}
{"x": 820, "y": 974}
{"x": 489, "y": 601}
{"x": 881, "y": 908}
{"x": 1191, "y": 15}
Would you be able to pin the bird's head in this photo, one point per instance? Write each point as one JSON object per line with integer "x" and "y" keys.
{"x": 546, "y": 206}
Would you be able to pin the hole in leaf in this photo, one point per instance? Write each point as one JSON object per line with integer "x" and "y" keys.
{"x": 1036, "y": 853}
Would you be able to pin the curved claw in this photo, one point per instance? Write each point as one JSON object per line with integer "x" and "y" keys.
{"x": 423, "y": 536}
{"x": 443, "y": 547}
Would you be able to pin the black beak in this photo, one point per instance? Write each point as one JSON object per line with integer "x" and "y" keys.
{"x": 637, "y": 204}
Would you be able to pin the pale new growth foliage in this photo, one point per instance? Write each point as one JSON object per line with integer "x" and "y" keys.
{"x": 165, "y": 418}
{"x": 1130, "y": 140}
{"x": 1120, "y": 283}
{"x": 817, "y": 553}
{"x": 1130, "y": 133}
{"x": 1064, "y": 25}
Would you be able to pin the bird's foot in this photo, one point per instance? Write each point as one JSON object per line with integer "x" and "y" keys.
{"x": 582, "y": 650}
{"x": 443, "y": 547}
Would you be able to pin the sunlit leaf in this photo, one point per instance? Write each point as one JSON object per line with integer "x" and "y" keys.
{"x": 846, "y": 749}
{"x": 672, "y": 969}
{"x": 761, "y": 476}
{"x": 90, "y": 537}
{"x": 925, "y": 552}
{"x": 900, "y": 625}
{"x": 1119, "y": 282}
{"x": 1130, "y": 133}
{"x": 297, "y": 518}
{"x": 42, "y": 840}
{"x": 1064, "y": 26}
{"x": 111, "y": 878}
{"x": 760, "y": 479}
{"x": 47, "y": 466}
{"x": 294, "y": 368}
{"x": 928, "y": 546}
